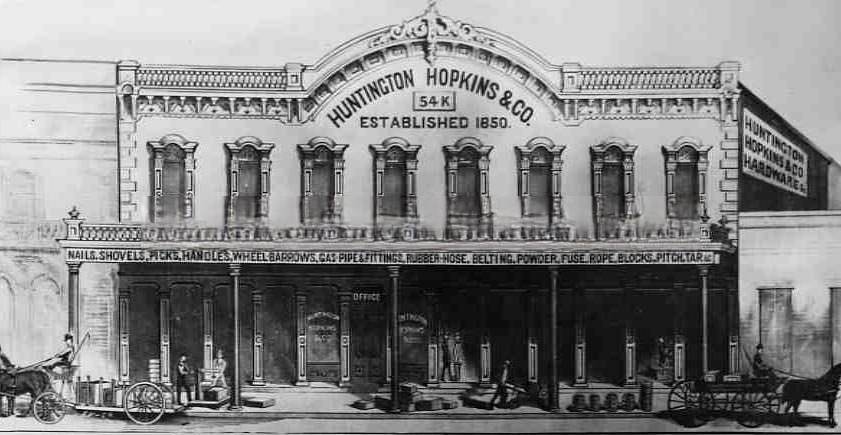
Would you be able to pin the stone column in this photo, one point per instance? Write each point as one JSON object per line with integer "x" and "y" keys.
{"x": 236, "y": 399}
{"x": 532, "y": 340}
{"x": 703, "y": 273}
{"x": 394, "y": 276}
{"x": 207, "y": 333}
{"x": 580, "y": 338}
{"x": 630, "y": 334}
{"x": 485, "y": 366}
{"x": 731, "y": 294}
{"x": 124, "y": 322}
{"x": 257, "y": 318}
{"x": 344, "y": 349}
{"x": 433, "y": 368}
{"x": 679, "y": 351}
{"x": 554, "y": 379}
{"x": 301, "y": 322}
{"x": 164, "y": 315}
{"x": 74, "y": 300}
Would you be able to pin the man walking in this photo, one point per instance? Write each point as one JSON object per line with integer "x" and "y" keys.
{"x": 501, "y": 387}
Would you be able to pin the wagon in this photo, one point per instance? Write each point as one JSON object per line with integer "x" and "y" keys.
{"x": 143, "y": 402}
{"x": 753, "y": 401}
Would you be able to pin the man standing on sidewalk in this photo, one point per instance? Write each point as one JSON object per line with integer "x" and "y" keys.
{"x": 182, "y": 380}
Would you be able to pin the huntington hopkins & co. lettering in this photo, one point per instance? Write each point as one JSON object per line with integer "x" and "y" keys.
{"x": 451, "y": 78}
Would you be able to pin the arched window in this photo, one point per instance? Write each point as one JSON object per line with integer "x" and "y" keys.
{"x": 395, "y": 164}
{"x": 540, "y": 163}
{"x": 469, "y": 201}
{"x": 249, "y": 170}
{"x": 613, "y": 184}
{"x": 322, "y": 164}
{"x": 686, "y": 176}
{"x": 173, "y": 168}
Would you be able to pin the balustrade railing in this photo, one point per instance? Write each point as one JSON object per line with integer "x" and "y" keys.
{"x": 618, "y": 230}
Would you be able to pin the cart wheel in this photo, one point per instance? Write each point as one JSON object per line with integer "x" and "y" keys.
{"x": 48, "y": 408}
{"x": 755, "y": 408}
{"x": 684, "y": 405}
{"x": 144, "y": 403}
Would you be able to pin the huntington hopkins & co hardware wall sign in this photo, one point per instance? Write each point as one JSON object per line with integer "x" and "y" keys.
{"x": 378, "y": 257}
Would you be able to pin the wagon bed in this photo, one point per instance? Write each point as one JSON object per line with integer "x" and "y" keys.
{"x": 751, "y": 401}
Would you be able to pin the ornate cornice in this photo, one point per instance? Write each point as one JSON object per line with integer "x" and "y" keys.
{"x": 296, "y": 93}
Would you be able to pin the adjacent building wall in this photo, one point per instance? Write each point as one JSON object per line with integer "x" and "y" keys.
{"x": 57, "y": 150}
{"x": 796, "y": 252}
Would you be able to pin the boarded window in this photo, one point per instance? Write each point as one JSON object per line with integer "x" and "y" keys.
{"x": 21, "y": 196}
{"x": 613, "y": 190}
{"x": 248, "y": 199}
{"x": 321, "y": 201}
{"x": 775, "y": 319}
{"x": 835, "y": 296}
{"x": 173, "y": 183}
{"x": 468, "y": 199}
{"x": 394, "y": 190}
{"x": 540, "y": 183}
{"x": 540, "y": 192}
{"x": 686, "y": 184}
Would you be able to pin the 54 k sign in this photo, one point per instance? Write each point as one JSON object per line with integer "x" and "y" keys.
{"x": 434, "y": 101}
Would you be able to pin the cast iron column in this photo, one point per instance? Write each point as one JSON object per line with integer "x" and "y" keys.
{"x": 553, "y": 346}
{"x": 394, "y": 275}
{"x": 236, "y": 403}
{"x": 74, "y": 300}
{"x": 704, "y": 271}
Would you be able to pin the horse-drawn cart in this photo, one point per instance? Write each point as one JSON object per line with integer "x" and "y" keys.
{"x": 143, "y": 402}
{"x": 751, "y": 401}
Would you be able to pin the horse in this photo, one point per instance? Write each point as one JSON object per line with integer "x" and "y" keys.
{"x": 822, "y": 389}
{"x": 28, "y": 381}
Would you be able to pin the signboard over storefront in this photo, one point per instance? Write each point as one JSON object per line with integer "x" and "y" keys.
{"x": 770, "y": 157}
{"x": 385, "y": 257}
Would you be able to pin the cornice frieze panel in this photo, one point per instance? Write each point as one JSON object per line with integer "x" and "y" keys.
{"x": 296, "y": 93}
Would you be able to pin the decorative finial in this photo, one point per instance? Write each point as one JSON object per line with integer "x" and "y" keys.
{"x": 431, "y": 19}
{"x": 74, "y": 213}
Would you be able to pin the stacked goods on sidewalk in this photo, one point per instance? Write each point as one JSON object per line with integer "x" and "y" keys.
{"x": 408, "y": 396}
{"x": 155, "y": 371}
{"x": 258, "y": 402}
{"x": 612, "y": 402}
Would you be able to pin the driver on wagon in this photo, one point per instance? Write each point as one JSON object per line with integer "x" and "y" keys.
{"x": 64, "y": 356}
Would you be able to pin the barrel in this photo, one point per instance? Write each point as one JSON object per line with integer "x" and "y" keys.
{"x": 646, "y": 396}
{"x": 155, "y": 370}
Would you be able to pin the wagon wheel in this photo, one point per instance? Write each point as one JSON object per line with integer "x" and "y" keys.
{"x": 685, "y": 404}
{"x": 48, "y": 408}
{"x": 756, "y": 407}
{"x": 144, "y": 403}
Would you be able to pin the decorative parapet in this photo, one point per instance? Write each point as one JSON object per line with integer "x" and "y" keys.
{"x": 195, "y": 77}
{"x": 296, "y": 93}
{"x": 608, "y": 79}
